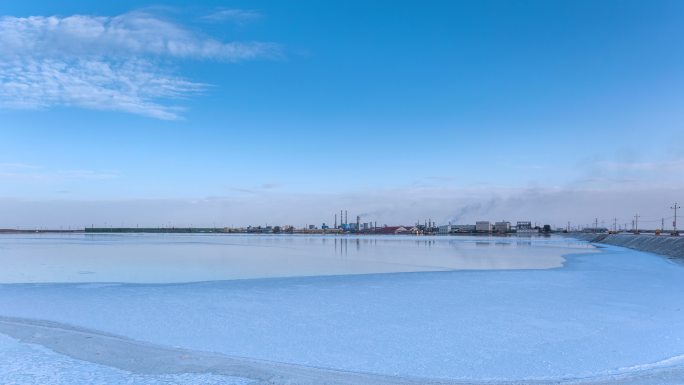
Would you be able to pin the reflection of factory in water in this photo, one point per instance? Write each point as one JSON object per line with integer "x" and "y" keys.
{"x": 343, "y": 246}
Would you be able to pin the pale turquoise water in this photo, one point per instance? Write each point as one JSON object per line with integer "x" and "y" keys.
{"x": 167, "y": 258}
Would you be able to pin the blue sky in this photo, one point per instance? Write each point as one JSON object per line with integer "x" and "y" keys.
{"x": 255, "y": 111}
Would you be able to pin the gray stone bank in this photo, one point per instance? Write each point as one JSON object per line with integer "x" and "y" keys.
{"x": 669, "y": 246}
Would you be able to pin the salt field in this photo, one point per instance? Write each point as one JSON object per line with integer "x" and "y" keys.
{"x": 447, "y": 310}
{"x": 169, "y": 258}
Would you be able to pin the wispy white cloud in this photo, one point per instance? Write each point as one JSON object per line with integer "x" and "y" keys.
{"x": 131, "y": 86}
{"x": 20, "y": 166}
{"x": 106, "y": 63}
{"x": 663, "y": 165}
{"x": 35, "y": 173}
{"x": 264, "y": 187}
{"x": 239, "y": 16}
{"x": 135, "y": 33}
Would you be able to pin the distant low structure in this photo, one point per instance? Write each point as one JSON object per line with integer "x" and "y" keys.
{"x": 595, "y": 230}
{"x": 525, "y": 227}
{"x": 444, "y": 230}
{"x": 393, "y": 230}
{"x": 502, "y": 227}
{"x": 455, "y": 229}
{"x": 463, "y": 228}
{"x": 483, "y": 227}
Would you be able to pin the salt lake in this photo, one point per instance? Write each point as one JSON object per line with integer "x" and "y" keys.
{"x": 168, "y": 258}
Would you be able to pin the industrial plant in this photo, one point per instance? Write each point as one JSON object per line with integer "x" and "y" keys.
{"x": 342, "y": 225}
{"x": 358, "y": 225}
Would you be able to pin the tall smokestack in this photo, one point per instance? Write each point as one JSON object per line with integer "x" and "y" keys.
{"x": 345, "y": 218}
{"x": 341, "y": 218}
{"x": 335, "y": 222}
{"x": 358, "y": 223}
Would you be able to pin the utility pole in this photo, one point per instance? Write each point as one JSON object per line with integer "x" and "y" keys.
{"x": 596, "y": 225}
{"x": 674, "y": 223}
{"x": 636, "y": 223}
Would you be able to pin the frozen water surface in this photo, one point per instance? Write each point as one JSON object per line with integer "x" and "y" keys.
{"x": 613, "y": 316}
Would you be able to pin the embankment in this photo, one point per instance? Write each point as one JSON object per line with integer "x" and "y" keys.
{"x": 669, "y": 246}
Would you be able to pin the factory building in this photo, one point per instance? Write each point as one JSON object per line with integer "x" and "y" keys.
{"x": 463, "y": 228}
{"x": 502, "y": 227}
{"x": 483, "y": 227}
{"x": 525, "y": 227}
{"x": 394, "y": 230}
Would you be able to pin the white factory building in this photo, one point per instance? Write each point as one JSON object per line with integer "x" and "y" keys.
{"x": 502, "y": 227}
{"x": 483, "y": 227}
